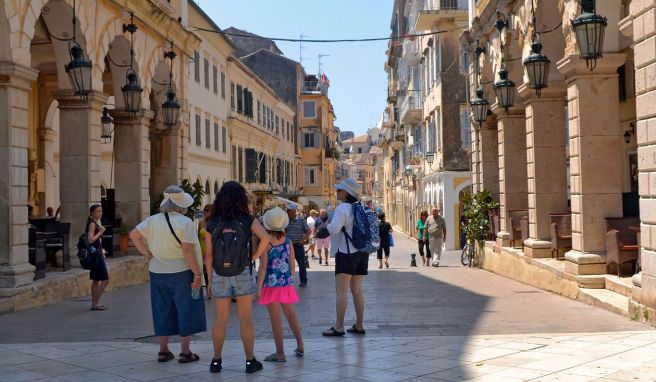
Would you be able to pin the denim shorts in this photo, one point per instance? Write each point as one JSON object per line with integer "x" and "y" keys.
{"x": 235, "y": 286}
{"x": 174, "y": 311}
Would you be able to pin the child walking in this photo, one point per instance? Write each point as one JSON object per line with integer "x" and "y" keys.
{"x": 276, "y": 284}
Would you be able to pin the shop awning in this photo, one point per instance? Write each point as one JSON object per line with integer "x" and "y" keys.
{"x": 286, "y": 201}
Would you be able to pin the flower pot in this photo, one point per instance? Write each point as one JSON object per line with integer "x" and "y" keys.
{"x": 124, "y": 241}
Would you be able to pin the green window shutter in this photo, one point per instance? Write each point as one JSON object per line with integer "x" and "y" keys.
{"x": 251, "y": 165}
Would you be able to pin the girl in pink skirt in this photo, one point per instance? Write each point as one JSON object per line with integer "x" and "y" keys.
{"x": 277, "y": 285}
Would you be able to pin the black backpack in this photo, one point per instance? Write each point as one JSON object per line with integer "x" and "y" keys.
{"x": 86, "y": 252}
{"x": 231, "y": 248}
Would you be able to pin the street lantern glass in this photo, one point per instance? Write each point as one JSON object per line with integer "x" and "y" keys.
{"x": 170, "y": 109}
{"x": 79, "y": 70}
{"x": 107, "y": 126}
{"x": 537, "y": 68}
{"x": 430, "y": 157}
{"x": 132, "y": 92}
{"x": 480, "y": 106}
{"x": 504, "y": 89}
{"x": 589, "y": 29}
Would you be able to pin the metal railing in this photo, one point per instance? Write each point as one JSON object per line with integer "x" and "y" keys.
{"x": 313, "y": 86}
{"x": 437, "y": 5}
{"x": 411, "y": 101}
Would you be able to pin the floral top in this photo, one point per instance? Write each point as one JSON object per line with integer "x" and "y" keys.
{"x": 278, "y": 267}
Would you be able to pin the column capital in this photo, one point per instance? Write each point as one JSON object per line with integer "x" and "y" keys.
{"x": 555, "y": 91}
{"x": 573, "y": 66}
{"x": 512, "y": 112}
{"x": 68, "y": 100}
{"x": 16, "y": 75}
{"x": 122, "y": 117}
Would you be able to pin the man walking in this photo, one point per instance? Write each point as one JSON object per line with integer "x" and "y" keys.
{"x": 435, "y": 231}
{"x": 297, "y": 232}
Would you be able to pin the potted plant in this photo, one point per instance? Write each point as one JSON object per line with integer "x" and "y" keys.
{"x": 477, "y": 226}
{"x": 124, "y": 239}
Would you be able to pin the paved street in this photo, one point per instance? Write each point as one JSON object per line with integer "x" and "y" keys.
{"x": 449, "y": 323}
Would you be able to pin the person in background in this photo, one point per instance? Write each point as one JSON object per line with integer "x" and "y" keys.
{"x": 276, "y": 284}
{"x": 422, "y": 238}
{"x": 436, "y": 229}
{"x": 175, "y": 273}
{"x": 98, "y": 272}
{"x": 385, "y": 230}
{"x": 50, "y": 212}
{"x": 202, "y": 233}
{"x": 463, "y": 235}
{"x": 323, "y": 236}
{"x": 311, "y": 221}
{"x": 297, "y": 232}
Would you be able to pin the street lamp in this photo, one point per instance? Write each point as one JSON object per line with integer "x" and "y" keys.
{"x": 589, "y": 28}
{"x": 78, "y": 69}
{"x": 430, "y": 158}
{"x": 480, "y": 106}
{"x": 107, "y": 126}
{"x": 171, "y": 107}
{"x": 132, "y": 90}
{"x": 536, "y": 64}
{"x": 504, "y": 88}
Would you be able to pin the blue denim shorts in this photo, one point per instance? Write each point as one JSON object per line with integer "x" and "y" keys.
{"x": 235, "y": 286}
{"x": 174, "y": 311}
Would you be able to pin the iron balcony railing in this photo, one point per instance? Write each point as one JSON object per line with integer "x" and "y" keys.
{"x": 437, "y": 5}
{"x": 315, "y": 86}
{"x": 411, "y": 101}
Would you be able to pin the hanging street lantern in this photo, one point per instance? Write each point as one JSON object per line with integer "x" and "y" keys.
{"x": 107, "y": 126}
{"x": 537, "y": 68}
{"x": 504, "y": 89}
{"x": 589, "y": 29}
{"x": 480, "y": 106}
{"x": 132, "y": 90}
{"x": 430, "y": 158}
{"x": 171, "y": 107}
{"x": 78, "y": 69}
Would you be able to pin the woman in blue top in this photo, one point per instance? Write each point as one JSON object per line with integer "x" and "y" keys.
{"x": 276, "y": 283}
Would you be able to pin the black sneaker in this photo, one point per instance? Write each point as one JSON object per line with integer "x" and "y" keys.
{"x": 302, "y": 285}
{"x": 253, "y": 365}
{"x": 215, "y": 366}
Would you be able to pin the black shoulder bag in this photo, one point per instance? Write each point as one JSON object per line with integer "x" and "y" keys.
{"x": 168, "y": 221}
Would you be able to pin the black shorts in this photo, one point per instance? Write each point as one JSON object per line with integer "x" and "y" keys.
{"x": 98, "y": 272}
{"x": 386, "y": 249}
{"x": 355, "y": 264}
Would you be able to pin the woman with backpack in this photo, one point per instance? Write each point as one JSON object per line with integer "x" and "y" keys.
{"x": 351, "y": 264}
{"x": 229, "y": 258}
{"x": 322, "y": 236}
{"x": 98, "y": 271}
{"x": 176, "y": 274}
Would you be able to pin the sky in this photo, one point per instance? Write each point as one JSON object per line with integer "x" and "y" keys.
{"x": 358, "y": 82}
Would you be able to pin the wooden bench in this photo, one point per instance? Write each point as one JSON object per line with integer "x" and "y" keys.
{"x": 561, "y": 233}
{"x": 622, "y": 241}
{"x": 515, "y": 218}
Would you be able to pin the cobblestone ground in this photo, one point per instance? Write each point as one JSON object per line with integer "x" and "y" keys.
{"x": 423, "y": 324}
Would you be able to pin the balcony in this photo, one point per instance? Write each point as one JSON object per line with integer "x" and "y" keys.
{"x": 437, "y": 10}
{"x": 315, "y": 85}
{"x": 411, "y": 107}
{"x": 411, "y": 52}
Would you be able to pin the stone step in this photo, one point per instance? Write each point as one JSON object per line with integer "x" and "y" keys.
{"x": 605, "y": 299}
{"x": 621, "y": 285}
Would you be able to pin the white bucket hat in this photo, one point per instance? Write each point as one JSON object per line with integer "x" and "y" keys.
{"x": 349, "y": 185}
{"x": 275, "y": 219}
{"x": 180, "y": 199}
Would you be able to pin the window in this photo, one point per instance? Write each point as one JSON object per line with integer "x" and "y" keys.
{"x": 309, "y": 109}
{"x": 359, "y": 150}
{"x": 465, "y": 128}
{"x": 208, "y": 140}
{"x": 223, "y": 90}
{"x": 311, "y": 140}
{"x": 224, "y": 140}
{"x": 197, "y": 130}
{"x": 431, "y": 60}
{"x": 232, "y": 95}
{"x": 438, "y": 130}
{"x": 431, "y": 136}
{"x": 216, "y": 136}
{"x": 234, "y": 162}
{"x": 215, "y": 79}
{"x": 240, "y": 159}
{"x": 310, "y": 176}
{"x": 259, "y": 114}
{"x": 436, "y": 50}
{"x": 240, "y": 99}
{"x": 288, "y": 135}
{"x": 277, "y": 126}
{"x": 197, "y": 66}
{"x": 206, "y": 66}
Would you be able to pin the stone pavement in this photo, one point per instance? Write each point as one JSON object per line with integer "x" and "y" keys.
{"x": 423, "y": 324}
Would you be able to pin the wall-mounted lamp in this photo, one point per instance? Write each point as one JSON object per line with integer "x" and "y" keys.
{"x": 629, "y": 133}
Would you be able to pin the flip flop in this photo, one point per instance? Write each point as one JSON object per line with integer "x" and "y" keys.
{"x": 299, "y": 353}
{"x": 332, "y": 332}
{"x": 274, "y": 358}
{"x": 99, "y": 307}
{"x": 165, "y": 356}
{"x": 355, "y": 330}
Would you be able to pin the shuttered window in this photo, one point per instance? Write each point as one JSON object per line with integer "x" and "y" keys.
{"x": 215, "y": 79}
{"x": 197, "y": 130}
{"x": 310, "y": 176}
{"x": 208, "y": 140}
{"x": 197, "y": 66}
{"x": 216, "y": 136}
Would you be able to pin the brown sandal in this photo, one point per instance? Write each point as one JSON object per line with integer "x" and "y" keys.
{"x": 165, "y": 356}
{"x": 188, "y": 357}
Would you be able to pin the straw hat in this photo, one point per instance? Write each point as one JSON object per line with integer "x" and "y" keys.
{"x": 275, "y": 219}
{"x": 180, "y": 199}
{"x": 349, "y": 185}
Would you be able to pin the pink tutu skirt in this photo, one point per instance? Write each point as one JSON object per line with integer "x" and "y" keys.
{"x": 282, "y": 295}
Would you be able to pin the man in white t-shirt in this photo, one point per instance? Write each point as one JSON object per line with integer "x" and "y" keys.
{"x": 311, "y": 222}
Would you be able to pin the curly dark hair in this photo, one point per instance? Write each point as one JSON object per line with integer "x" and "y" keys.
{"x": 231, "y": 202}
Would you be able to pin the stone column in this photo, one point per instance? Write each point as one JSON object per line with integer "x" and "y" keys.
{"x": 595, "y": 150}
{"x": 15, "y": 90}
{"x": 546, "y": 163}
{"x": 489, "y": 161}
{"x": 79, "y": 183}
{"x": 513, "y": 182}
{"x": 132, "y": 165}
{"x": 644, "y": 50}
{"x": 167, "y": 166}
{"x": 477, "y": 182}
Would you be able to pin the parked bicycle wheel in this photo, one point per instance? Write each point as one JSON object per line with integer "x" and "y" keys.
{"x": 465, "y": 257}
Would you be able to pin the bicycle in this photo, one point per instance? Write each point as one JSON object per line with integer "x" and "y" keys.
{"x": 468, "y": 253}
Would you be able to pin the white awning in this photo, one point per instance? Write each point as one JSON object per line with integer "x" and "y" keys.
{"x": 286, "y": 201}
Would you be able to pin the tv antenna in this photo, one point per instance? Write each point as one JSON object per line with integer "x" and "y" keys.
{"x": 319, "y": 59}
{"x": 301, "y": 47}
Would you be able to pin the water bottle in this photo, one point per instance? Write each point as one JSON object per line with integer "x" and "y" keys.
{"x": 195, "y": 293}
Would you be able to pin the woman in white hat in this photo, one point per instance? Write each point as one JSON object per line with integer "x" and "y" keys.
{"x": 175, "y": 265}
{"x": 351, "y": 264}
